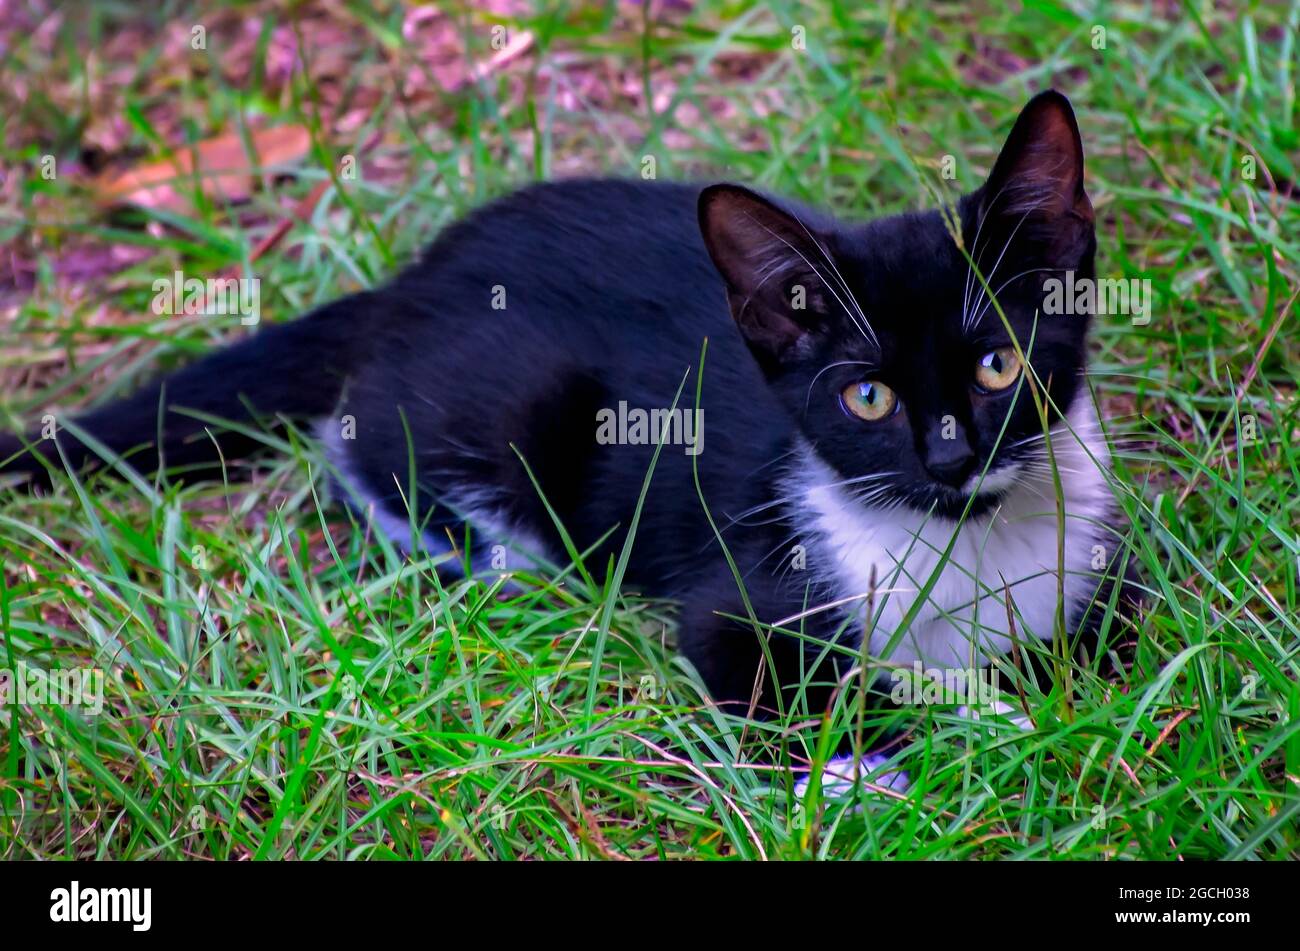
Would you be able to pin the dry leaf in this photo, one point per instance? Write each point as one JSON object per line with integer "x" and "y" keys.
{"x": 225, "y": 172}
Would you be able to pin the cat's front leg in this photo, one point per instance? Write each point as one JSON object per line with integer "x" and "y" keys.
{"x": 752, "y": 669}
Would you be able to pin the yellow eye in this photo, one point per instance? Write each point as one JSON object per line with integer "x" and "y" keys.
{"x": 997, "y": 369}
{"x": 870, "y": 400}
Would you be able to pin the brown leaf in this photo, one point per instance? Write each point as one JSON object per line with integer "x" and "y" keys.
{"x": 221, "y": 167}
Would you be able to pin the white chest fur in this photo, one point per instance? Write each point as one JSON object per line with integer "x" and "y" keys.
{"x": 1018, "y": 547}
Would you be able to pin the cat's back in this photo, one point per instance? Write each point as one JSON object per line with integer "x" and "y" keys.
{"x": 598, "y": 251}
{"x": 603, "y": 216}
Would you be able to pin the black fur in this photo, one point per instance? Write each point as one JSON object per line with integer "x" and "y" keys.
{"x": 294, "y": 370}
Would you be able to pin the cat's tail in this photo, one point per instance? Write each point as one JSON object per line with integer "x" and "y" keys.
{"x": 295, "y": 370}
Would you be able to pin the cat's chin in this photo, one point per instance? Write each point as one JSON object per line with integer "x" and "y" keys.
{"x": 952, "y": 504}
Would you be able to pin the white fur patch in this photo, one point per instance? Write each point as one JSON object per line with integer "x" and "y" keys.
{"x": 997, "y": 713}
{"x": 963, "y": 620}
{"x": 518, "y": 548}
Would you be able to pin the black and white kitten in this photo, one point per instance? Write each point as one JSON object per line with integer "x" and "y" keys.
{"x": 867, "y": 434}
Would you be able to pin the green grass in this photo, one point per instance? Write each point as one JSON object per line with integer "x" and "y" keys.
{"x": 281, "y": 684}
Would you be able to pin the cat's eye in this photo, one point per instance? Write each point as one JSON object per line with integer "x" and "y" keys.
{"x": 870, "y": 400}
{"x": 997, "y": 369}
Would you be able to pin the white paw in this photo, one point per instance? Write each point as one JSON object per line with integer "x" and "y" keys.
{"x": 998, "y": 711}
{"x": 838, "y": 776}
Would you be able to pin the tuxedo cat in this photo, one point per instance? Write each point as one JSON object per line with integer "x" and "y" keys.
{"x": 867, "y": 440}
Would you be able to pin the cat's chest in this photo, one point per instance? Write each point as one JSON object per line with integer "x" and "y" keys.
{"x": 938, "y": 590}
{"x": 951, "y": 580}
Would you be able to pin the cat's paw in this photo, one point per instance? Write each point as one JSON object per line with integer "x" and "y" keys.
{"x": 999, "y": 712}
{"x": 838, "y": 775}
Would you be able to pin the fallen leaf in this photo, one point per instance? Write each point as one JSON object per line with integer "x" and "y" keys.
{"x": 220, "y": 166}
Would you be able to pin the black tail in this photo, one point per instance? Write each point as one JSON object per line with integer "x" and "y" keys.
{"x": 294, "y": 370}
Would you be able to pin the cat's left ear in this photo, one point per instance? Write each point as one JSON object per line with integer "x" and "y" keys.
{"x": 1035, "y": 192}
{"x": 774, "y": 266}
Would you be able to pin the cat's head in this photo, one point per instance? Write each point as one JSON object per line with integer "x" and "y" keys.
{"x": 881, "y": 340}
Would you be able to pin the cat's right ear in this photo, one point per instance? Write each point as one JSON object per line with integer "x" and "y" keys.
{"x": 1036, "y": 189}
{"x": 773, "y": 266}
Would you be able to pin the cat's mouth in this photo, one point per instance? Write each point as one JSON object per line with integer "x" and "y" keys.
{"x": 978, "y": 495}
{"x": 996, "y": 482}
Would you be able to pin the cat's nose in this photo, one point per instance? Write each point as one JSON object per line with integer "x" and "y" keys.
{"x": 953, "y": 469}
